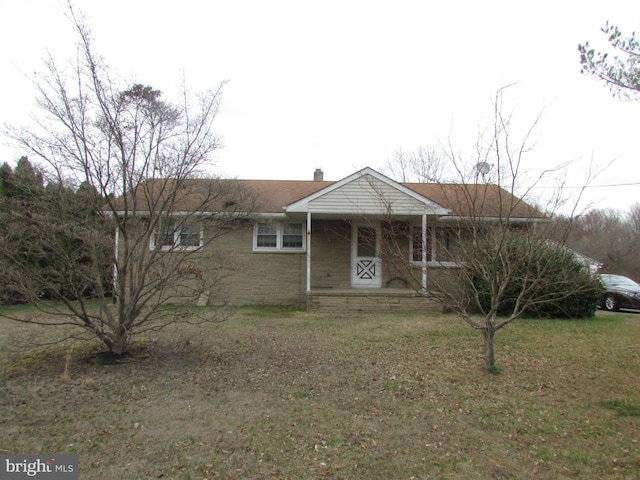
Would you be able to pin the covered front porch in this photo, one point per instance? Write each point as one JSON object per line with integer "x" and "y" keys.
{"x": 364, "y": 245}
{"x": 351, "y": 268}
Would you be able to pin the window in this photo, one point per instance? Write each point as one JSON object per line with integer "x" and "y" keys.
{"x": 276, "y": 237}
{"x": 164, "y": 237}
{"x": 190, "y": 236}
{"x": 177, "y": 236}
{"x": 367, "y": 239}
{"x": 267, "y": 235}
{"x": 292, "y": 235}
{"x": 442, "y": 245}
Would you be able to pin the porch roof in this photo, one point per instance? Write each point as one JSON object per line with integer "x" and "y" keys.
{"x": 366, "y": 192}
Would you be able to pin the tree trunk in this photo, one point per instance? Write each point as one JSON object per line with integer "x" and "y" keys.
{"x": 489, "y": 356}
{"x": 117, "y": 341}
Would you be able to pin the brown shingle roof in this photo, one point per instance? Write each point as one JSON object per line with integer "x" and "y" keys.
{"x": 462, "y": 200}
{"x": 271, "y": 196}
{"x": 274, "y": 195}
{"x": 480, "y": 200}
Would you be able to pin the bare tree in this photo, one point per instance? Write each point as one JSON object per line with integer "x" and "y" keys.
{"x": 633, "y": 217}
{"x": 425, "y": 164}
{"x": 493, "y": 261}
{"x": 145, "y": 158}
{"x": 611, "y": 237}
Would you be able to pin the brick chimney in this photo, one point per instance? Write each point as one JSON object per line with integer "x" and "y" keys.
{"x": 318, "y": 176}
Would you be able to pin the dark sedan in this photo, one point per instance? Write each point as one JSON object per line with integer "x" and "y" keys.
{"x": 619, "y": 292}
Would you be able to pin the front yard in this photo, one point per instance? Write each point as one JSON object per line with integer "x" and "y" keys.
{"x": 280, "y": 394}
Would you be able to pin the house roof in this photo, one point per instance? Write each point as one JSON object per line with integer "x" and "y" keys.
{"x": 273, "y": 195}
{"x": 459, "y": 200}
{"x": 278, "y": 196}
{"x": 479, "y": 200}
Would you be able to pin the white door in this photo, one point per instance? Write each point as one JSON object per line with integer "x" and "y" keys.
{"x": 365, "y": 256}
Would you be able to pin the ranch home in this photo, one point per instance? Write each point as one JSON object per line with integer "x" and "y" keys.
{"x": 320, "y": 244}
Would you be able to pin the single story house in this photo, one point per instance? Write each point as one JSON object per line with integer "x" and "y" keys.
{"x": 319, "y": 244}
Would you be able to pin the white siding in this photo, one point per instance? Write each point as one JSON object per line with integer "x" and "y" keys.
{"x": 367, "y": 195}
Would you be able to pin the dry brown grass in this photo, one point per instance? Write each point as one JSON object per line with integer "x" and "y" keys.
{"x": 277, "y": 394}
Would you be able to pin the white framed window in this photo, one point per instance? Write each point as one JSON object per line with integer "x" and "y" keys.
{"x": 177, "y": 236}
{"x": 279, "y": 237}
{"x": 442, "y": 246}
{"x": 266, "y": 235}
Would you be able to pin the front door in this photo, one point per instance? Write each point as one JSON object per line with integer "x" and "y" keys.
{"x": 365, "y": 257}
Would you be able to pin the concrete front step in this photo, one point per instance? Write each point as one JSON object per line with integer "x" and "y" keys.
{"x": 370, "y": 301}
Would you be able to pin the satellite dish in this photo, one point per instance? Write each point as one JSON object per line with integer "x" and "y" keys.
{"x": 484, "y": 167}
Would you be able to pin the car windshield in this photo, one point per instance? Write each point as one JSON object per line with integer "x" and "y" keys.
{"x": 617, "y": 281}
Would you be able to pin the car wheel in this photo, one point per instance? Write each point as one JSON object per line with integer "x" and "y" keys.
{"x": 610, "y": 303}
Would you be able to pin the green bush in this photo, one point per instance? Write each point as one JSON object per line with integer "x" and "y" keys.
{"x": 554, "y": 282}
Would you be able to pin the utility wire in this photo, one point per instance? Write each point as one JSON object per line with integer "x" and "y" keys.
{"x": 631, "y": 184}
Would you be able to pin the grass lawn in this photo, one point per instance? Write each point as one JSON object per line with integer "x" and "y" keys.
{"x": 280, "y": 394}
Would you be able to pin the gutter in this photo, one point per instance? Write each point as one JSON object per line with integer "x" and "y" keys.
{"x": 493, "y": 219}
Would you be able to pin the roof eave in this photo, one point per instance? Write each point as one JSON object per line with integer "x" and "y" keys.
{"x": 463, "y": 218}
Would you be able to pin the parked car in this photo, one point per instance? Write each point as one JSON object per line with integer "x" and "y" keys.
{"x": 619, "y": 292}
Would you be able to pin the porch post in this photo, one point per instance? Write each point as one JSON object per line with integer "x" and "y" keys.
{"x": 308, "y": 253}
{"x": 424, "y": 252}
{"x": 116, "y": 249}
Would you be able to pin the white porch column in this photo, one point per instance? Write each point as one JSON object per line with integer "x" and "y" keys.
{"x": 308, "y": 253}
{"x": 116, "y": 249}
{"x": 424, "y": 252}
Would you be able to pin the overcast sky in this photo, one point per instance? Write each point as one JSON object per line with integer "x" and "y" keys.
{"x": 340, "y": 85}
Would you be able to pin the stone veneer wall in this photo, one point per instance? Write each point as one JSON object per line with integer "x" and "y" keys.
{"x": 265, "y": 278}
{"x": 258, "y": 278}
{"x": 280, "y": 278}
{"x": 330, "y": 254}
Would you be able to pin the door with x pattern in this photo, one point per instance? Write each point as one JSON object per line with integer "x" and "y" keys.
{"x": 366, "y": 269}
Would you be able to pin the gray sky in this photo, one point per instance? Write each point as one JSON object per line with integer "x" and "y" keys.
{"x": 340, "y": 85}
